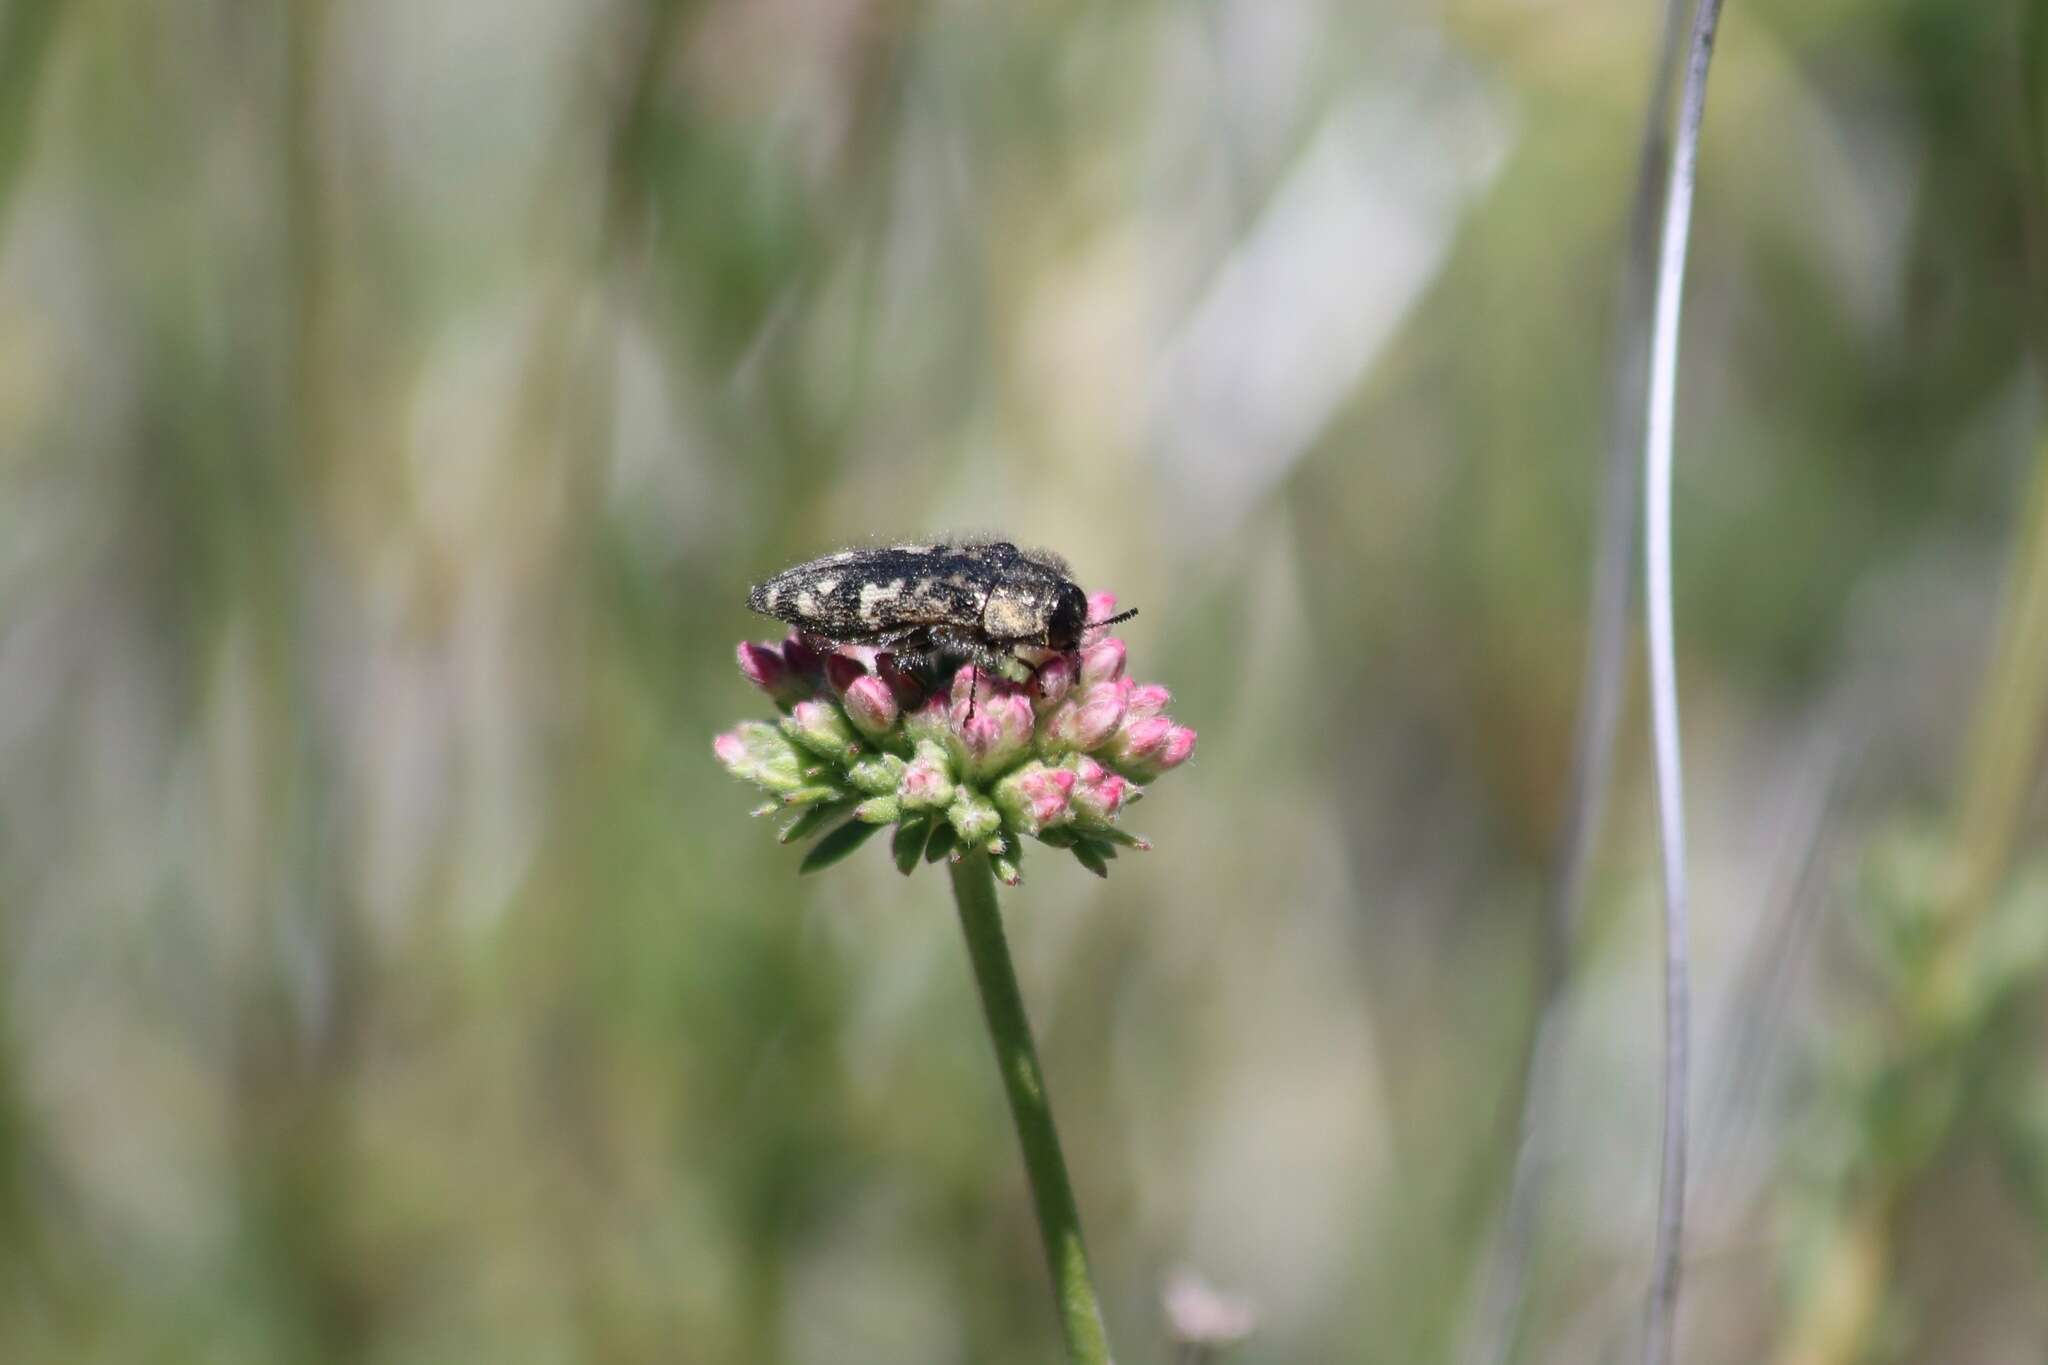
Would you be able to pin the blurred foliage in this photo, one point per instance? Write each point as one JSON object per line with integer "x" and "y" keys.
{"x": 396, "y": 399}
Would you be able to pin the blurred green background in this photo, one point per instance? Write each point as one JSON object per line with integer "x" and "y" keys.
{"x": 397, "y": 396}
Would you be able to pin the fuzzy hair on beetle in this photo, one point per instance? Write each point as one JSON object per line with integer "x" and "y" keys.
{"x": 978, "y": 600}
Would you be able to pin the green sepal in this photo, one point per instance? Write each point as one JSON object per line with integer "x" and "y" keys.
{"x": 1007, "y": 873}
{"x": 1089, "y": 855}
{"x": 942, "y": 841}
{"x": 1110, "y": 834}
{"x": 974, "y": 817}
{"x": 878, "y": 810}
{"x": 877, "y": 775}
{"x": 1103, "y": 848}
{"x": 809, "y": 821}
{"x": 768, "y": 760}
{"x": 836, "y": 845}
{"x": 907, "y": 844}
{"x": 811, "y": 796}
{"x": 833, "y": 740}
{"x": 1057, "y": 836}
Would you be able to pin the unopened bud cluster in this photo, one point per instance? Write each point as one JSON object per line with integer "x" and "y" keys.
{"x": 975, "y": 763}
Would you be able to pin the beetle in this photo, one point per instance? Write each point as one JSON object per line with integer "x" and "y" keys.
{"x": 975, "y": 599}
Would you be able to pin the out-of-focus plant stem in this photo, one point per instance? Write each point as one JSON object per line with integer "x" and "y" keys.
{"x": 629, "y": 172}
{"x": 2005, "y": 750}
{"x": 1842, "y": 1299}
{"x": 1660, "y": 1316}
{"x": 1496, "y": 1325}
{"x": 26, "y": 30}
{"x": 1002, "y": 1004}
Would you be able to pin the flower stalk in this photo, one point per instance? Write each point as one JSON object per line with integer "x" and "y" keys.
{"x": 1052, "y": 1193}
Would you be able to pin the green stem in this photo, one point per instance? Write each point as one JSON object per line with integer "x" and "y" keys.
{"x": 27, "y": 30}
{"x": 1059, "y": 1223}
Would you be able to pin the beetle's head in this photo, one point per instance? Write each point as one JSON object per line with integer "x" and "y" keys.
{"x": 1068, "y": 618}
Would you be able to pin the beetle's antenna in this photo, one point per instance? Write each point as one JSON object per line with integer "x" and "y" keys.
{"x": 1120, "y": 616}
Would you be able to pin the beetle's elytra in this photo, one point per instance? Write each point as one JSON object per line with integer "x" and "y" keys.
{"x": 976, "y": 599}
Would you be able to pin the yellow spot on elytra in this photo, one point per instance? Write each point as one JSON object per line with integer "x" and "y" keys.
{"x": 1009, "y": 619}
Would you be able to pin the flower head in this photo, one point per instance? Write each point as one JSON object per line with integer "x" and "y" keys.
{"x": 956, "y": 763}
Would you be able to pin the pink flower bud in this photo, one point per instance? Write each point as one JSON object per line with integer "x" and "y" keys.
{"x": 927, "y": 782}
{"x": 1149, "y": 699}
{"x": 841, "y": 670}
{"x": 1101, "y": 606}
{"x": 870, "y": 705}
{"x": 1035, "y": 797}
{"x": 1086, "y": 720}
{"x": 766, "y": 669}
{"x": 1180, "y": 743}
{"x": 1014, "y": 710}
{"x": 730, "y": 748}
{"x": 979, "y": 734}
{"x": 819, "y": 727}
{"x": 1098, "y": 792}
{"x": 1102, "y": 661}
{"x": 1140, "y": 740}
{"x": 996, "y": 735}
{"x": 1146, "y": 748}
{"x": 801, "y": 656}
{"x": 975, "y": 688}
{"x": 991, "y": 722}
{"x": 909, "y": 691}
{"x": 763, "y": 666}
{"x": 1050, "y": 685}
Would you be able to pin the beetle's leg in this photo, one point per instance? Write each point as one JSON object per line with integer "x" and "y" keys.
{"x": 950, "y": 642}
{"x": 913, "y": 648}
{"x": 998, "y": 660}
{"x": 978, "y": 650}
